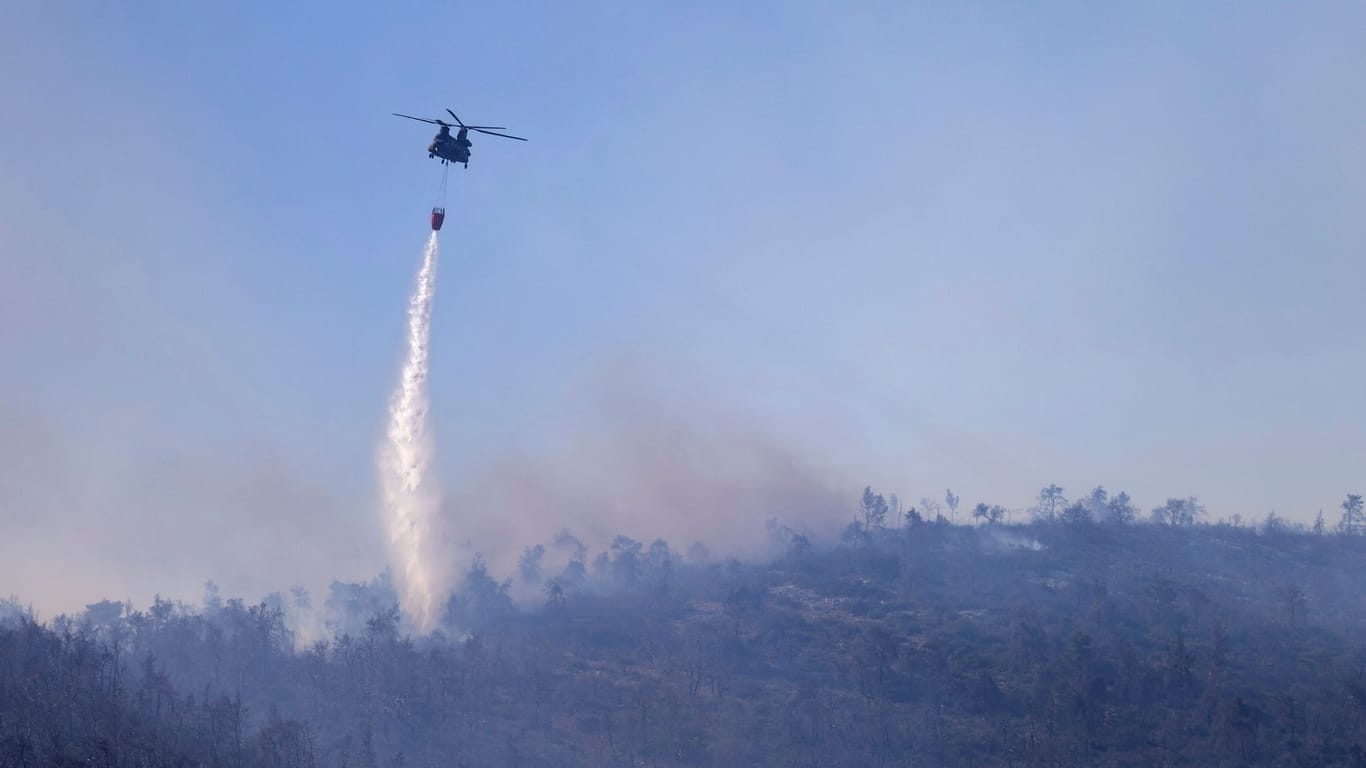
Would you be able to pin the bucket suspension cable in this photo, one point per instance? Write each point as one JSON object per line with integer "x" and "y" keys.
{"x": 441, "y": 187}
{"x": 439, "y": 210}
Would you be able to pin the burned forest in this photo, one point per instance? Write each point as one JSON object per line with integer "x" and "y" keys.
{"x": 1077, "y": 639}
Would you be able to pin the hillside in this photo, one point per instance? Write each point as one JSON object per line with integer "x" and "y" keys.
{"x": 1042, "y": 645}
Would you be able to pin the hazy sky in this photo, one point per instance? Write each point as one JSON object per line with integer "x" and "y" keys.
{"x": 750, "y": 260}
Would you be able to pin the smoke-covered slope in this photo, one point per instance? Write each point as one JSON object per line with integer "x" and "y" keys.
{"x": 1036, "y": 645}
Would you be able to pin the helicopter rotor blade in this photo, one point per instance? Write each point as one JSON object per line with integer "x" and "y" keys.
{"x": 457, "y": 119}
{"x": 419, "y": 119}
{"x": 504, "y": 135}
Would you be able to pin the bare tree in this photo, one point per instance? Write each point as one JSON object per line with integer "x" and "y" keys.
{"x": 1050, "y": 503}
{"x": 1179, "y": 511}
{"x": 952, "y": 502}
{"x": 1351, "y": 515}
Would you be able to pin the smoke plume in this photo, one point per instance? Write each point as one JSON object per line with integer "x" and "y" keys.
{"x": 409, "y": 501}
{"x": 641, "y": 448}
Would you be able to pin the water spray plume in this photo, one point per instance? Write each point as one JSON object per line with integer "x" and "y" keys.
{"x": 409, "y": 503}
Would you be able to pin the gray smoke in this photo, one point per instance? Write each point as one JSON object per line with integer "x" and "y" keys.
{"x": 641, "y": 463}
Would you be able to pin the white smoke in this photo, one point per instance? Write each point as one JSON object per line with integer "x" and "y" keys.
{"x": 409, "y": 503}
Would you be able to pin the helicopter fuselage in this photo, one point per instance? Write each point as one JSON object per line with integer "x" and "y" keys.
{"x": 451, "y": 149}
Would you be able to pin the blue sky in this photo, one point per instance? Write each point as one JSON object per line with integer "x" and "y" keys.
{"x": 985, "y": 246}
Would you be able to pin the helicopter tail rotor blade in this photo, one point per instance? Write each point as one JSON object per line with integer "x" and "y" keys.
{"x": 504, "y": 135}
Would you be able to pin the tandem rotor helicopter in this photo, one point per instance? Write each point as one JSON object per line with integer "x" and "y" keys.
{"x": 455, "y": 149}
{"x": 452, "y": 149}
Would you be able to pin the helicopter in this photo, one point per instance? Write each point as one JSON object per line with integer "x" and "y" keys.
{"x": 455, "y": 149}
